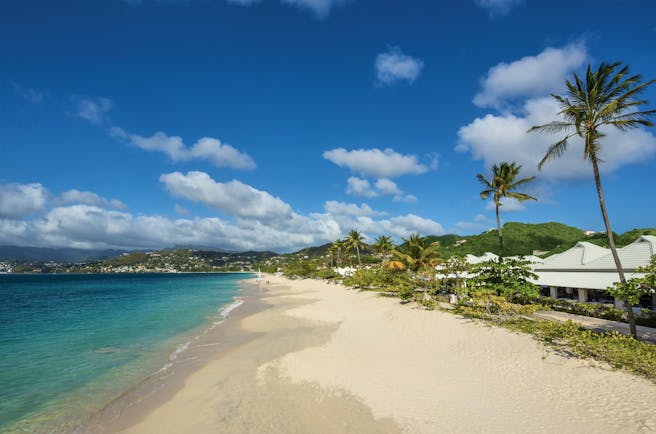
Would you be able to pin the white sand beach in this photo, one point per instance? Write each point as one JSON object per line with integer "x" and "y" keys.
{"x": 325, "y": 359}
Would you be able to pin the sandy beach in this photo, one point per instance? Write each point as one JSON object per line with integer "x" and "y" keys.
{"x": 323, "y": 359}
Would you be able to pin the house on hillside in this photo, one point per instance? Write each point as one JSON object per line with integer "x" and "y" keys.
{"x": 585, "y": 271}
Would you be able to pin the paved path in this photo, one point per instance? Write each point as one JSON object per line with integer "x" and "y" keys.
{"x": 597, "y": 324}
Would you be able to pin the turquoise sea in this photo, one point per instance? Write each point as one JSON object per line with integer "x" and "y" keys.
{"x": 69, "y": 344}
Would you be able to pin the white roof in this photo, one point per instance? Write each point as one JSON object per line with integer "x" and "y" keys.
{"x": 530, "y": 258}
{"x": 637, "y": 254}
{"x": 584, "y": 265}
{"x": 576, "y": 257}
{"x": 487, "y": 256}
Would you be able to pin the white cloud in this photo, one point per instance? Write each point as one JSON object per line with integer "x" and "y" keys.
{"x": 28, "y": 94}
{"x": 375, "y": 162}
{"x": 88, "y": 198}
{"x": 495, "y": 138}
{"x": 207, "y": 148}
{"x": 232, "y": 198}
{"x": 20, "y": 200}
{"x": 93, "y": 110}
{"x": 407, "y": 198}
{"x": 497, "y": 8}
{"x": 387, "y": 186}
{"x": 530, "y": 76}
{"x": 508, "y": 204}
{"x": 349, "y": 209}
{"x": 394, "y": 66}
{"x": 89, "y": 226}
{"x": 360, "y": 187}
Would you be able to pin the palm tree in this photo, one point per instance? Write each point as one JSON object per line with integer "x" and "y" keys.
{"x": 331, "y": 253}
{"x": 355, "y": 241}
{"x": 417, "y": 253}
{"x": 607, "y": 98}
{"x": 337, "y": 247}
{"x": 383, "y": 245}
{"x": 503, "y": 184}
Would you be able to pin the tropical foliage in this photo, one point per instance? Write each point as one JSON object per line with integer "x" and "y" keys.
{"x": 510, "y": 278}
{"x": 503, "y": 184}
{"x": 605, "y": 98}
{"x": 417, "y": 253}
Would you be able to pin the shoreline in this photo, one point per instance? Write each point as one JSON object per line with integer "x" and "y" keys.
{"x": 357, "y": 362}
{"x": 204, "y": 343}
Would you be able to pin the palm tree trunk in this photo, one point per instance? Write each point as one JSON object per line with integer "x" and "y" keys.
{"x": 357, "y": 250}
{"x": 611, "y": 243}
{"x": 500, "y": 234}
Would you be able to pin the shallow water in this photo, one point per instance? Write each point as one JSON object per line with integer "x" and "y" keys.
{"x": 71, "y": 343}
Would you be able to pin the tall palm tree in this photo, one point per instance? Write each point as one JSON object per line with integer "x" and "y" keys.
{"x": 355, "y": 241}
{"x": 383, "y": 245}
{"x": 503, "y": 184}
{"x": 606, "y": 97}
{"x": 417, "y": 253}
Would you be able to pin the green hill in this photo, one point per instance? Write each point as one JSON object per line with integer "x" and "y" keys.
{"x": 518, "y": 239}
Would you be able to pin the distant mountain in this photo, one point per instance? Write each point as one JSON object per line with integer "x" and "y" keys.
{"x": 55, "y": 254}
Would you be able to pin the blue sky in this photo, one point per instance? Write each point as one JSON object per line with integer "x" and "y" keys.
{"x": 278, "y": 124}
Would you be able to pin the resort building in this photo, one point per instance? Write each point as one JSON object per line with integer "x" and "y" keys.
{"x": 581, "y": 273}
{"x": 585, "y": 271}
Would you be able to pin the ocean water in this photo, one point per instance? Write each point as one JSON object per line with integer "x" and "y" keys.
{"x": 69, "y": 344}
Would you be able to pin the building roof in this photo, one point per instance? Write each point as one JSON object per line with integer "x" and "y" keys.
{"x": 576, "y": 257}
{"x": 589, "y": 266}
{"x": 487, "y": 256}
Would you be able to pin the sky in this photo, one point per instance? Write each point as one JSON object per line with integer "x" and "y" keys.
{"x": 281, "y": 124}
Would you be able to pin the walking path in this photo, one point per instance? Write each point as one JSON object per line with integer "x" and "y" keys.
{"x": 597, "y": 324}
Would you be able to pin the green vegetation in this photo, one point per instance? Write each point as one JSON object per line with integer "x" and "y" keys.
{"x": 606, "y": 98}
{"x": 509, "y": 278}
{"x": 503, "y": 184}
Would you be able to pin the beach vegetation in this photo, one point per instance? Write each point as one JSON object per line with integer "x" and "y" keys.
{"x": 355, "y": 243}
{"x": 511, "y": 277}
{"x": 383, "y": 246}
{"x": 501, "y": 185}
{"x": 607, "y": 97}
{"x": 418, "y": 254}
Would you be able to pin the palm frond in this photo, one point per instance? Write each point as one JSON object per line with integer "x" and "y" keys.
{"x": 554, "y": 151}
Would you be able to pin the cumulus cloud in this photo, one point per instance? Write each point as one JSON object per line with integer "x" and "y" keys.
{"x": 394, "y": 66}
{"x": 20, "y": 200}
{"x": 94, "y": 110}
{"x": 508, "y": 204}
{"x": 497, "y": 8}
{"x": 377, "y": 163}
{"x": 493, "y": 138}
{"x": 254, "y": 219}
{"x": 530, "y": 76}
{"x": 350, "y": 209}
{"x": 88, "y": 198}
{"x": 233, "y": 198}
{"x": 207, "y": 148}
{"x": 30, "y": 95}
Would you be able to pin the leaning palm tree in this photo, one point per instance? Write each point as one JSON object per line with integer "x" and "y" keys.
{"x": 503, "y": 184}
{"x": 607, "y": 98}
{"x": 383, "y": 245}
{"x": 355, "y": 241}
